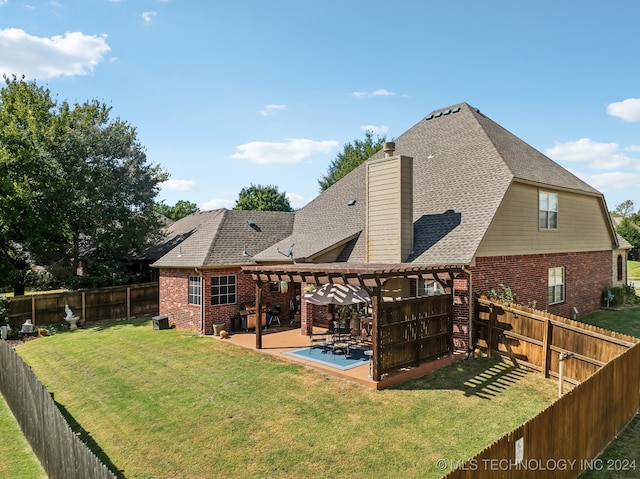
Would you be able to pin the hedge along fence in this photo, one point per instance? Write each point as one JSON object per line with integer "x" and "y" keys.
{"x": 90, "y": 305}
{"x": 56, "y": 446}
{"x": 565, "y": 438}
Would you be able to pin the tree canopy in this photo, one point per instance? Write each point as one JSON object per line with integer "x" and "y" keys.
{"x": 76, "y": 191}
{"x": 352, "y": 156}
{"x": 262, "y": 198}
{"x": 181, "y": 209}
{"x": 625, "y": 209}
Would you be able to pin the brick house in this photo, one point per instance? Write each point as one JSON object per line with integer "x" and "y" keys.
{"x": 454, "y": 189}
{"x": 200, "y": 278}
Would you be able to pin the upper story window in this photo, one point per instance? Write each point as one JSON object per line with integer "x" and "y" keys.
{"x": 548, "y": 211}
{"x": 556, "y": 285}
{"x": 619, "y": 268}
{"x": 428, "y": 287}
{"x": 195, "y": 290}
{"x": 223, "y": 290}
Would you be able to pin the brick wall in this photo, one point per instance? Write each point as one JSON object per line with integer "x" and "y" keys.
{"x": 174, "y": 299}
{"x": 586, "y": 275}
{"x": 174, "y": 289}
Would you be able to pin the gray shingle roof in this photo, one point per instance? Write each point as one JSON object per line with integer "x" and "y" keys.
{"x": 219, "y": 237}
{"x": 463, "y": 166}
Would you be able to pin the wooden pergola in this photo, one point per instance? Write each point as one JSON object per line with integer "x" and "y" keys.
{"x": 370, "y": 276}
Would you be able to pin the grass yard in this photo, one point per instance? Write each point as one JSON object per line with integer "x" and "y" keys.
{"x": 624, "y": 450}
{"x": 165, "y": 403}
{"x": 16, "y": 457}
{"x": 633, "y": 274}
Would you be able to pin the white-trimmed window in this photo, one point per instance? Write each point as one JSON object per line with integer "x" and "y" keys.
{"x": 428, "y": 287}
{"x": 195, "y": 290}
{"x": 548, "y": 210}
{"x": 223, "y": 290}
{"x": 556, "y": 285}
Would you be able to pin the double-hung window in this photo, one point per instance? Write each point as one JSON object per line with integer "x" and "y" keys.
{"x": 195, "y": 290}
{"x": 548, "y": 210}
{"x": 223, "y": 290}
{"x": 556, "y": 285}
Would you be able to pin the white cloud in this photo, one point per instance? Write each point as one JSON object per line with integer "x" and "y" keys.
{"x": 3, "y": 2}
{"x": 269, "y": 109}
{"x": 148, "y": 16}
{"x": 291, "y": 151}
{"x": 628, "y": 110}
{"x": 178, "y": 185}
{"x": 367, "y": 94}
{"x": 295, "y": 200}
{"x": 378, "y": 130}
{"x": 602, "y": 156}
{"x": 615, "y": 180}
{"x": 632, "y": 148}
{"x": 217, "y": 204}
{"x": 37, "y": 57}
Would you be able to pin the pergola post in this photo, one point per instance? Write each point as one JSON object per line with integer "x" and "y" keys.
{"x": 258, "y": 314}
{"x": 375, "y": 332}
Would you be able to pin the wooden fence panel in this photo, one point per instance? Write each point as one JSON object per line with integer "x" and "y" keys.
{"x": 60, "y": 452}
{"x": 91, "y": 305}
{"x": 565, "y": 438}
{"x": 414, "y": 331}
{"x": 536, "y": 339}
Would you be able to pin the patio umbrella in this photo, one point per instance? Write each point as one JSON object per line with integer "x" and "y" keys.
{"x": 337, "y": 294}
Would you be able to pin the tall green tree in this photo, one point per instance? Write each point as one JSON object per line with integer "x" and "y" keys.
{"x": 631, "y": 232}
{"x": 262, "y": 198}
{"x": 82, "y": 182}
{"x": 352, "y": 156}
{"x": 107, "y": 191}
{"x": 181, "y": 209}
{"x": 29, "y": 227}
{"x": 625, "y": 209}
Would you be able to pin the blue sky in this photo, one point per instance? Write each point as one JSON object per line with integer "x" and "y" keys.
{"x": 225, "y": 94}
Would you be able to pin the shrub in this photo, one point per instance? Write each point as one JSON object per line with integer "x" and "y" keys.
{"x": 619, "y": 295}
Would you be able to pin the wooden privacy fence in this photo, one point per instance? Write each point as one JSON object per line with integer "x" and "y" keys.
{"x": 564, "y": 439}
{"x": 536, "y": 339}
{"x": 60, "y": 452}
{"x": 414, "y": 331}
{"x": 90, "y": 305}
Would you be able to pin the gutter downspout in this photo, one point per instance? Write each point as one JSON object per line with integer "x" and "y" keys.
{"x": 470, "y": 289}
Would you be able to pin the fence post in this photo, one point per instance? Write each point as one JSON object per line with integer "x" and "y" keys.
{"x": 490, "y": 331}
{"x": 33, "y": 309}
{"x": 84, "y": 307}
{"x": 546, "y": 341}
{"x": 128, "y": 302}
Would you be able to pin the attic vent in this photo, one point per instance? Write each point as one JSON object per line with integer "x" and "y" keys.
{"x": 251, "y": 223}
{"x": 351, "y": 202}
{"x": 443, "y": 113}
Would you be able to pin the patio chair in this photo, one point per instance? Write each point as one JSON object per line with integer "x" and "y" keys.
{"x": 319, "y": 341}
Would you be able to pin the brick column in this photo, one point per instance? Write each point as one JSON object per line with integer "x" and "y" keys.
{"x": 306, "y": 315}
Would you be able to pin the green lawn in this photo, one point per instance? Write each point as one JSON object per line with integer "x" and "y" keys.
{"x": 622, "y": 458}
{"x": 16, "y": 457}
{"x": 166, "y": 403}
{"x": 633, "y": 274}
